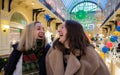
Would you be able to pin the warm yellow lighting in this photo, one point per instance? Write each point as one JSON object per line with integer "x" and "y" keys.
{"x": 89, "y": 35}
{"x": 33, "y": 3}
{"x": 6, "y": 26}
{"x": 4, "y": 22}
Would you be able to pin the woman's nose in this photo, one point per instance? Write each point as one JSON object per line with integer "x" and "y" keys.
{"x": 41, "y": 30}
{"x": 58, "y": 30}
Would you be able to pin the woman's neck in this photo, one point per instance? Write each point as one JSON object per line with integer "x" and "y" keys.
{"x": 40, "y": 42}
{"x": 66, "y": 45}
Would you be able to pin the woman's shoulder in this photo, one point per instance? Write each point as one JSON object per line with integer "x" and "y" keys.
{"x": 90, "y": 50}
{"x": 15, "y": 50}
{"x": 53, "y": 51}
{"x": 91, "y": 55}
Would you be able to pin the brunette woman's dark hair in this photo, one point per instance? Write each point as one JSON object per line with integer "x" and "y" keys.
{"x": 76, "y": 37}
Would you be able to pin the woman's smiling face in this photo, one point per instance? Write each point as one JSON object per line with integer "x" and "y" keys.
{"x": 39, "y": 31}
{"x": 62, "y": 33}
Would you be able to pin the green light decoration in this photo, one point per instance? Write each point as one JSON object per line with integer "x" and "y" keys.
{"x": 19, "y": 30}
{"x": 85, "y": 13}
{"x": 81, "y": 14}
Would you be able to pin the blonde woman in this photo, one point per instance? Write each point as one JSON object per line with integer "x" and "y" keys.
{"x": 28, "y": 56}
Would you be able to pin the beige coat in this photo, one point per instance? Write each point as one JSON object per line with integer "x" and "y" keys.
{"x": 91, "y": 64}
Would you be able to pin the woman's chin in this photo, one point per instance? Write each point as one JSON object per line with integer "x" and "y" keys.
{"x": 40, "y": 38}
{"x": 60, "y": 41}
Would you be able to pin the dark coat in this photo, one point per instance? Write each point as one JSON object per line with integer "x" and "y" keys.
{"x": 14, "y": 57}
{"x": 90, "y": 64}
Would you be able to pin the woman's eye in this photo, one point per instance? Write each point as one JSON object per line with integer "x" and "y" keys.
{"x": 62, "y": 27}
{"x": 38, "y": 28}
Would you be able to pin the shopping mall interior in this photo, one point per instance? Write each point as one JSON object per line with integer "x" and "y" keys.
{"x": 99, "y": 18}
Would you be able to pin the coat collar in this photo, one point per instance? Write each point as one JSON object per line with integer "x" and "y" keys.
{"x": 73, "y": 65}
{"x": 57, "y": 65}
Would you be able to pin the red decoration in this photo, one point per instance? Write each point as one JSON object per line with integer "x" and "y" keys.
{"x": 119, "y": 23}
{"x": 109, "y": 44}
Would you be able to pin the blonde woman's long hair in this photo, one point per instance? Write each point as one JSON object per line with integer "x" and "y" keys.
{"x": 28, "y": 39}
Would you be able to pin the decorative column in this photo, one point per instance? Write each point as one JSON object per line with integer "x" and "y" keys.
{"x": 4, "y": 33}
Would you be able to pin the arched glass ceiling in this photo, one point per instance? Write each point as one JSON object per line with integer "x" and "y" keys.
{"x": 70, "y": 4}
{"x": 86, "y": 6}
{"x": 86, "y": 14}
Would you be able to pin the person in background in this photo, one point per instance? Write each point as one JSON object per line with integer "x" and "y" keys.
{"x": 118, "y": 47}
{"x": 72, "y": 53}
{"x": 28, "y": 56}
